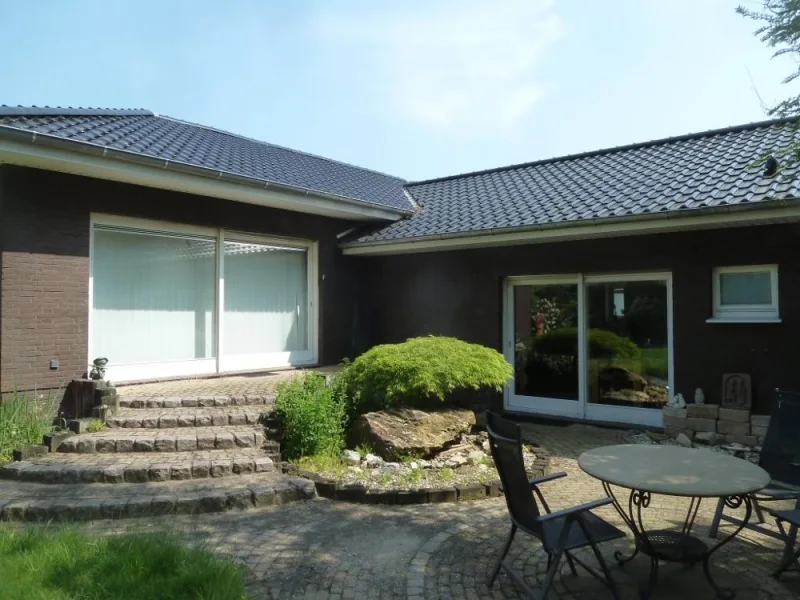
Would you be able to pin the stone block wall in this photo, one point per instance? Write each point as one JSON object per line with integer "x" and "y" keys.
{"x": 711, "y": 424}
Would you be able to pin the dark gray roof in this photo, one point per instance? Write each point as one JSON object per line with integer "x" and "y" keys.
{"x": 680, "y": 174}
{"x": 145, "y": 134}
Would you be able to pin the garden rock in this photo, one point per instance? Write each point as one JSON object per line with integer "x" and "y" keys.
{"x": 455, "y": 461}
{"x": 391, "y": 466}
{"x": 475, "y": 458}
{"x": 351, "y": 457}
{"x": 410, "y": 431}
{"x": 708, "y": 437}
{"x": 372, "y": 460}
{"x": 683, "y": 440}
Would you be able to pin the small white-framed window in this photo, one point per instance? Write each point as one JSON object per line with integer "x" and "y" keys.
{"x": 746, "y": 294}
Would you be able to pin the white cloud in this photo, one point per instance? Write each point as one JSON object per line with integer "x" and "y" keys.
{"x": 455, "y": 65}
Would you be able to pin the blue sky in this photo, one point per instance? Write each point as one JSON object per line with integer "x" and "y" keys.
{"x": 415, "y": 88}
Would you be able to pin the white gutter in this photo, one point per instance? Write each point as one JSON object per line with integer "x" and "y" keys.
{"x": 78, "y": 158}
{"x": 763, "y": 213}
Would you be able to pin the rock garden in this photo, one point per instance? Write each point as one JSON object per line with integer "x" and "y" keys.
{"x": 400, "y": 424}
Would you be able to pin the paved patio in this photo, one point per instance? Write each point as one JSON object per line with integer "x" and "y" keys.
{"x": 325, "y": 549}
{"x": 234, "y": 385}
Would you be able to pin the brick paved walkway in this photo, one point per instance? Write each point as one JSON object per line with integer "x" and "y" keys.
{"x": 325, "y": 549}
{"x": 235, "y": 385}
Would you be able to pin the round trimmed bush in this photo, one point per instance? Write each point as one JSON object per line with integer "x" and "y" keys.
{"x": 421, "y": 371}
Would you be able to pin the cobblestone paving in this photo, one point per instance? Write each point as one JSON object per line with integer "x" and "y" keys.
{"x": 325, "y": 549}
{"x": 236, "y": 385}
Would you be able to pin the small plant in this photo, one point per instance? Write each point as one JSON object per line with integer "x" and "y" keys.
{"x": 24, "y": 419}
{"x": 322, "y": 463}
{"x": 364, "y": 449}
{"x": 385, "y": 477}
{"x": 95, "y": 426}
{"x": 447, "y": 474}
{"x": 487, "y": 460}
{"x": 312, "y": 415}
{"x": 421, "y": 371}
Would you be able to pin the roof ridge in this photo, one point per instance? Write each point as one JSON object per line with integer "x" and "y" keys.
{"x": 55, "y": 111}
{"x": 254, "y": 140}
{"x": 613, "y": 149}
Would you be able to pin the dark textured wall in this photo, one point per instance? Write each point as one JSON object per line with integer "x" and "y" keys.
{"x": 459, "y": 293}
{"x": 44, "y": 239}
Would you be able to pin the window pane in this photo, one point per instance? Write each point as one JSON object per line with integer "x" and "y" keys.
{"x": 745, "y": 288}
{"x": 153, "y": 297}
{"x": 546, "y": 335}
{"x": 628, "y": 346}
{"x": 266, "y": 302}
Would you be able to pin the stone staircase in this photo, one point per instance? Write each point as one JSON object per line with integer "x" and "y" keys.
{"x": 157, "y": 455}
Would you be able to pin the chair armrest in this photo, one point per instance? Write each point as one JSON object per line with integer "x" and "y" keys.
{"x": 534, "y": 481}
{"x": 537, "y": 480}
{"x": 575, "y": 510}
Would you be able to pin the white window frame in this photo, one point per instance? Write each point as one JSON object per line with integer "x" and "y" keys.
{"x": 219, "y": 363}
{"x": 745, "y": 313}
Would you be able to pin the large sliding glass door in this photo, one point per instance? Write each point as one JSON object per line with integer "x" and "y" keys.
{"x": 168, "y": 300}
{"x": 590, "y": 347}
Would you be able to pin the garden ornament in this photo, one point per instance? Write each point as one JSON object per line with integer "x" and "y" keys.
{"x": 677, "y": 401}
{"x": 699, "y": 396}
{"x": 98, "y": 372}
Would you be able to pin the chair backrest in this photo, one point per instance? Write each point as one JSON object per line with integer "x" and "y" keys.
{"x": 505, "y": 441}
{"x": 781, "y": 447}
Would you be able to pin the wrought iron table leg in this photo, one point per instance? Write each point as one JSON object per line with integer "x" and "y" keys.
{"x": 733, "y": 502}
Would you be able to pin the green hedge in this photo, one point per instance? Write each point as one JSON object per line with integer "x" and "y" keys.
{"x": 422, "y": 371}
{"x": 602, "y": 344}
{"x": 312, "y": 412}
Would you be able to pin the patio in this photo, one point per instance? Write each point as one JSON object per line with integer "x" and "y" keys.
{"x": 324, "y": 549}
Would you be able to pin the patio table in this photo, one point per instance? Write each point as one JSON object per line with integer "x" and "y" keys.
{"x": 673, "y": 471}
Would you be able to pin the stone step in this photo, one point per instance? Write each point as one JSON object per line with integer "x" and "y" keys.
{"x": 178, "y": 439}
{"x": 126, "y": 401}
{"x": 135, "y": 467}
{"x": 169, "y": 418}
{"x": 29, "y": 501}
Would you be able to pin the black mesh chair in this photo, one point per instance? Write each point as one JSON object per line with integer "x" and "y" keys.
{"x": 560, "y": 532}
{"x": 780, "y": 457}
{"x": 790, "y": 555}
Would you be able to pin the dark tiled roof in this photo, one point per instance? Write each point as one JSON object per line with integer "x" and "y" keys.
{"x": 143, "y": 133}
{"x": 682, "y": 174}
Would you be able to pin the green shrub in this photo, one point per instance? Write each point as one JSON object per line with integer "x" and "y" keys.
{"x": 421, "y": 370}
{"x": 602, "y": 344}
{"x": 41, "y": 563}
{"x": 24, "y": 419}
{"x": 312, "y": 414}
{"x": 96, "y": 426}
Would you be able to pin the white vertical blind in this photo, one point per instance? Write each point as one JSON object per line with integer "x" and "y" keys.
{"x": 266, "y": 299}
{"x": 153, "y": 296}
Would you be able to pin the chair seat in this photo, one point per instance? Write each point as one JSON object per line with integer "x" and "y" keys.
{"x": 777, "y": 491}
{"x": 599, "y": 529}
{"x": 792, "y": 516}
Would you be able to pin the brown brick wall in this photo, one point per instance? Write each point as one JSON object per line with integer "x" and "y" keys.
{"x": 44, "y": 299}
{"x": 459, "y": 294}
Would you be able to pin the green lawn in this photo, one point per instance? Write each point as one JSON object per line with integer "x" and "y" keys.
{"x": 41, "y": 563}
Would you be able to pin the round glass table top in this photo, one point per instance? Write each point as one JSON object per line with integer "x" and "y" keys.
{"x": 674, "y": 470}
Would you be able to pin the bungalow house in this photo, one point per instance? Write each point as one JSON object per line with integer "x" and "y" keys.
{"x": 609, "y": 279}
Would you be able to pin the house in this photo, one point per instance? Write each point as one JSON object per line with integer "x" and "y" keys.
{"x": 610, "y": 279}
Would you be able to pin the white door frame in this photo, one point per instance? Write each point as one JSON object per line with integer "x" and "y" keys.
{"x": 545, "y": 406}
{"x": 583, "y": 409}
{"x": 218, "y": 363}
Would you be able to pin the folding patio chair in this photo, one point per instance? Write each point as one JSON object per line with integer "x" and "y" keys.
{"x": 790, "y": 554}
{"x": 780, "y": 457}
{"x": 560, "y": 532}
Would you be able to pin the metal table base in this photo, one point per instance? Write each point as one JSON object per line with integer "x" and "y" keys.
{"x": 665, "y": 545}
